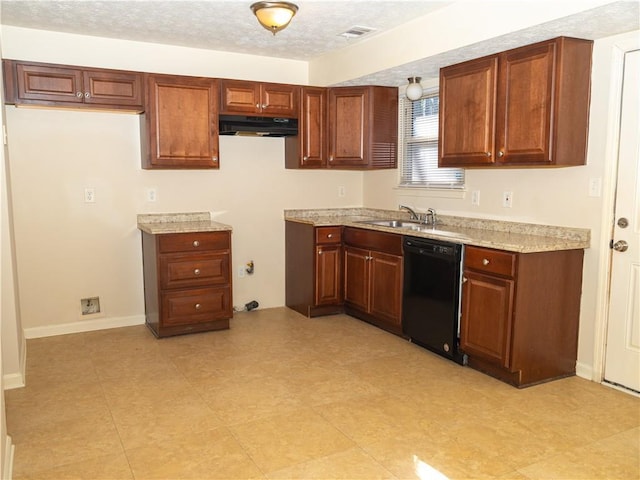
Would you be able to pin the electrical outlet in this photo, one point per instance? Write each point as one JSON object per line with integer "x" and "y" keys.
{"x": 89, "y": 195}
{"x": 90, "y": 306}
{"x": 507, "y": 199}
{"x": 341, "y": 191}
{"x": 241, "y": 271}
{"x": 152, "y": 195}
{"x": 475, "y": 197}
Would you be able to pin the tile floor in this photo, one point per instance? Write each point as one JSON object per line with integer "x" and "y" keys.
{"x": 281, "y": 396}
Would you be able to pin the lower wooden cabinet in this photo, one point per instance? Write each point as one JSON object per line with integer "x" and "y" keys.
{"x": 313, "y": 269}
{"x": 187, "y": 282}
{"x": 373, "y": 269}
{"x": 520, "y": 313}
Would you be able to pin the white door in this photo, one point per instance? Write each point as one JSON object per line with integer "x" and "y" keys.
{"x": 622, "y": 361}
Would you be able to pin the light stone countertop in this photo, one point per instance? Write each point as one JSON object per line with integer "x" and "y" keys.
{"x": 164, "y": 223}
{"x": 509, "y": 236}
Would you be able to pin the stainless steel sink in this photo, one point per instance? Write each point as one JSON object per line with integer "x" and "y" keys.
{"x": 394, "y": 223}
{"x": 414, "y": 226}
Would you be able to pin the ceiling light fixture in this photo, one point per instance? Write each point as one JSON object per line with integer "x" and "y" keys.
{"x": 274, "y": 16}
{"x": 414, "y": 89}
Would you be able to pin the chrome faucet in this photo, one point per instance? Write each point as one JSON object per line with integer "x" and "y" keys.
{"x": 412, "y": 214}
{"x": 431, "y": 212}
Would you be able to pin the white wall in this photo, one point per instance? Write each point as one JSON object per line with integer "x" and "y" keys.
{"x": 545, "y": 196}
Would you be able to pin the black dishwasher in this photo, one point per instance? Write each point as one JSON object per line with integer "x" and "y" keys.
{"x": 431, "y": 295}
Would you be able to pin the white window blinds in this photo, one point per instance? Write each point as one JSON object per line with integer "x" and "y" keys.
{"x": 419, "y": 146}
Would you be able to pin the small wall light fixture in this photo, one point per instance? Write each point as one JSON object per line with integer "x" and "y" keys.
{"x": 414, "y": 89}
{"x": 274, "y": 16}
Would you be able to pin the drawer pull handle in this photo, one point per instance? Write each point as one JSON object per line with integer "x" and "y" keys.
{"x": 196, "y": 243}
{"x": 196, "y": 271}
{"x": 485, "y": 261}
{"x": 197, "y": 306}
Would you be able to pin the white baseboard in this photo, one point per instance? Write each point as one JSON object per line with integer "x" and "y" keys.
{"x": 83, "y": 326}
{"x": 585, "y": 371}
{"x": 17, "y": 379}
{"x": 7, "y": 461}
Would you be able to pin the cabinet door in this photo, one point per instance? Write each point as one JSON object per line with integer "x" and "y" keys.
{"x": 181, "y": 122}
{"x": 386, "y": 287}
{"x": 112, "y": 88}
{"x": 49, "y": 83}
{"x": 328, "y": 275}
{"x": 313, "y": 127}
{"x": 526, "y": 91}
{"x": 279, "y": 100}
{"x": 467, "y": 113}
{"x": 239, "y": 96}
{"x": 348, "y": 134}
{"x": 487, "y": 310}
{"x": 356, "y": 277}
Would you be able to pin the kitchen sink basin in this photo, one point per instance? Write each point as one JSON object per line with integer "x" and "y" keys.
{"x": 414, "y": 226}
{"x": 395, "y": 223}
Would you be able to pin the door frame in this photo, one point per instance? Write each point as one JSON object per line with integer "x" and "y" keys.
{"x": 618, "y": 49}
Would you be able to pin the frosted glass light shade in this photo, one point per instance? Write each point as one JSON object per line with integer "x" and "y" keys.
{"x": 274, "y": 16}
{"x": 414, "y": 89}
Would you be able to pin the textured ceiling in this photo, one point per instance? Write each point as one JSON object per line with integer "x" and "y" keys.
{"x": 231, "y": 26}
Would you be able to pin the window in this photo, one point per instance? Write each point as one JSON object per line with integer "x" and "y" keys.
{"x": 419, "y": 146}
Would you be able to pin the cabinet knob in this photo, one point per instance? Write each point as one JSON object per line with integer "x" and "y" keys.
{"x": 464, "y": 280}
{"x": 488, "y": 154}
{"x": 331, "y": 158}
{"x": 79, "y": 94}
{"x": 196, "y": 271}
{"x": 265, "y": 105}
{"x": 197, "y": 306}
{"x": 258, "y": 106}
{"x": 330, "y": 235}
{"x": 305, "y": 158}
{"x": 214, "y": 158}
{"x": 485, "y": 261}
{"x": 87, "y": 95}
{"x": 501, "y": 153}
{"x": 319, "y": 252}
{"x": 196, "y": 243}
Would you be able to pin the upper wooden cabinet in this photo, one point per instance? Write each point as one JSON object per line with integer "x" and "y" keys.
{"x": 309, "y": 148}
{"x": 363, "y": 127}
{"x": 524, "y": 107}
{"x": 30, "y": 83}
{"x": 180, "y": 125}
{"x": 254, "y": 98}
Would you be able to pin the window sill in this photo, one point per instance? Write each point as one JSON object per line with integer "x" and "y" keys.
{"x": 430, "y": 192}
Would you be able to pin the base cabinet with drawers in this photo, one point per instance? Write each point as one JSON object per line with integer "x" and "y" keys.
{"x": 520, "y": 313}
{"x": 187, "y": 282}
{"x": 313, "y": 265}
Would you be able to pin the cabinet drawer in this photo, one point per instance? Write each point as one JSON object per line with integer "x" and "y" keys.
{"x": 372, "y": 240}
{"x": 189, "y": 270}
{"x": 195, "y": 305}
{"x": 328, "y": 235}
{"x": 193, "y": 242}
{"x": 490, "y": 261}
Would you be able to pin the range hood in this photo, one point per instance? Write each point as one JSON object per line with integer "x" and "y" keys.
{"x": 257, "y": 126}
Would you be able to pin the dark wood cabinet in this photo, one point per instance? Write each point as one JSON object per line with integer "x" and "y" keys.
{"x": 31, "y": 83}
{"x": 309, "y": 148}
{"x": 313, "y": 264}
{"x": 180, "y": 125}
{"x": 254, "y": 98}
{"x": 373, "y": 268}
{"x": 524, "y": 107}
{"x": 363, "y": 127}
{"x": 520, "y": 313}
{"x": 187, "y": 282}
